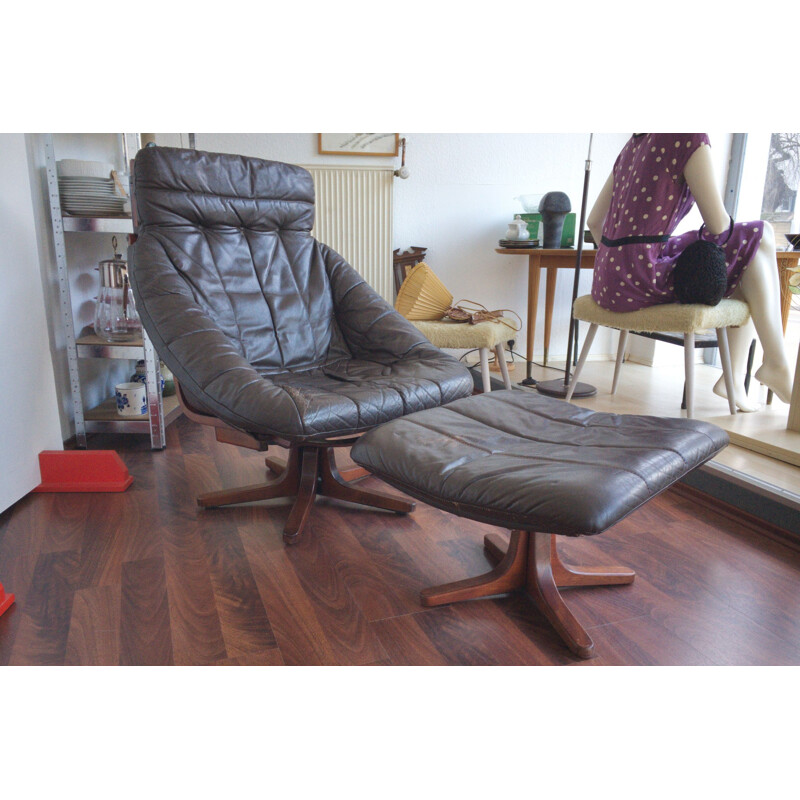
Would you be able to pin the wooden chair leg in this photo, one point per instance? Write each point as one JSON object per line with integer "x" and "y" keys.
{"x": 508, "y": 575}
{"x": 587, "y": 346}
{"x": 542, "y": 589}
{"x": 353, "y": 474}
{"x": 565, "y": 575}
{"x": 332, "y": 485}
{"x": 568, "y": 575}
{"x": 623, "y": 340}
{"x": 349, "y": 475}
{"x": 533, "y": 554}
{"x": 496, "y": 546}
{"x": 501, "y": 360}
{"x": 549, "y": 302}
{"x": 275, "y": 465}
{"x": 285, "y": 486}
{"x": 309, "y": 470}
{"x": 688, "y": 361}
{"x": 306, "y": 492}
{"x": 545, "y": 574}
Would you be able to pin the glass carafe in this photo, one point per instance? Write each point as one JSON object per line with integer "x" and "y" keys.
{"x": 115, "y": 317}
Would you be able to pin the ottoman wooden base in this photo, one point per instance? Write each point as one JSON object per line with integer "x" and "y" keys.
{"x": 540, "y": 468}
{"x": 530, "y": 562}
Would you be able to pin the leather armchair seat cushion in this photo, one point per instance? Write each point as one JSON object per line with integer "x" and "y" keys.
{"x": 353, "y": 394}
{"x": 528, "y": 462}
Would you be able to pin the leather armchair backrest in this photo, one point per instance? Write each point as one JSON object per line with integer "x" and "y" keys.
{"x": 235, "y": 233}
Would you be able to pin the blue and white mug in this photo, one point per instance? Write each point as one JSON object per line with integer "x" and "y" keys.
{"x": 131, "y": 399}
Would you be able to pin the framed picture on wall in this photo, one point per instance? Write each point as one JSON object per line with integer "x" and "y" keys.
{"x": 359, "y": 144}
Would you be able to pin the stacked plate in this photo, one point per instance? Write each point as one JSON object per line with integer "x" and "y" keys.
{"x": 519, "y": 243}
{"x": 87, "y": 189}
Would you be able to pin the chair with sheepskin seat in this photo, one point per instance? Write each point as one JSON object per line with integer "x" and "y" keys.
{"x": 687, "y": 320}
{"x": 483, "y": 336}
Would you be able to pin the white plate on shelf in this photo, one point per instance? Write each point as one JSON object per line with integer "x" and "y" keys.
{"x": 93, "y": 212}
{"x": 93, "y": 189}
{"x": 82, "y": 198}
{"x": 75, "y": 167}
{"x": 62, "y": 179}
{"x": 98, "y": 184}
{"x": 92, "y": 207}
{"x": 87, "y": 192}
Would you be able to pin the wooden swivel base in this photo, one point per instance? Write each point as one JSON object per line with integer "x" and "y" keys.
{"x": 309, "y": 471}
{"x": 530, "y": 562}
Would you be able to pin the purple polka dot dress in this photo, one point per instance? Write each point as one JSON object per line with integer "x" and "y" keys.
{"x": 649, "y": 199}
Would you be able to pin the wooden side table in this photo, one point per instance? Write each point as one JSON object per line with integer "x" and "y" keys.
{"x": 552, "y": 260}
{"x": 786, "y": 259}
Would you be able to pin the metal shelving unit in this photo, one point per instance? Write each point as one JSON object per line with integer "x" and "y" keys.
{"x": 103, "y": 418}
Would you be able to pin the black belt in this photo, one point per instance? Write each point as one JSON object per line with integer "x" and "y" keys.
{"x": 633, "y": 240}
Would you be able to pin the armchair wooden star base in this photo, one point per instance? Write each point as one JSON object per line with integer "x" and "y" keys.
{"x": 530, "y": 562}
{"x": 310, "y": 471}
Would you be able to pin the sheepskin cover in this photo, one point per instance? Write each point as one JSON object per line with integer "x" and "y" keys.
{"x": 668, "y": 317}
{"x": 461, "y": 335}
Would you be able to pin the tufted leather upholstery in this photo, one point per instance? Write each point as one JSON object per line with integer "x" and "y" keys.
{"x": 263, "y": 326}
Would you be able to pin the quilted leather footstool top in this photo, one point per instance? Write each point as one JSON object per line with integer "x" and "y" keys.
{"x": 532, "y": 463}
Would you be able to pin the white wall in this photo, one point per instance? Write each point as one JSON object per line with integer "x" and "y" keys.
{"x": 29, "y": 402}
{"x": 458, "y": 201}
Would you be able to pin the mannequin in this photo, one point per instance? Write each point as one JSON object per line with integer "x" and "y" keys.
{"x": 757, "y": 284}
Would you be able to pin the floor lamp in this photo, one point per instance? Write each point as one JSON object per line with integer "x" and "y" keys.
{"x": 558, "y": 387}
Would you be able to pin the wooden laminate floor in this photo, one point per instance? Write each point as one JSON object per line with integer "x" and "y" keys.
{"x": 145, "y": 577}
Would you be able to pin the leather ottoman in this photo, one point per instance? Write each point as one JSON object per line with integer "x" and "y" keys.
{"x": 538, "y": 466}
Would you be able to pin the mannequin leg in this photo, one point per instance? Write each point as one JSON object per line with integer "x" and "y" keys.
{"x": 739, "y": 343}
{"x": 760, "y": 288}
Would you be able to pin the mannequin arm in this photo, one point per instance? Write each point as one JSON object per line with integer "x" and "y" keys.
{"x": 600, "y": 208}
{"x": 699, "y": 174}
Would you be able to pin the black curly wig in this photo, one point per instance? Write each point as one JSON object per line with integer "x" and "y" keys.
{"x": 700, "y": 274}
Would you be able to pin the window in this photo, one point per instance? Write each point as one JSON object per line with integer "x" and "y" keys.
{"x": 781, "y": 183}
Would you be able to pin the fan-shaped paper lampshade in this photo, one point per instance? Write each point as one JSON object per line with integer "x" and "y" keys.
{"x": 423, "y": 295}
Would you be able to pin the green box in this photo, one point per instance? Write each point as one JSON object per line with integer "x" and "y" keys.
{"x": 567, "y": 233}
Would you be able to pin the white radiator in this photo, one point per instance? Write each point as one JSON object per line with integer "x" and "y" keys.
{"x": 354, "y": 217}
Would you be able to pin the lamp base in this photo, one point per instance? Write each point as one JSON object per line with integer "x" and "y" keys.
{"x": 557, "y": 388}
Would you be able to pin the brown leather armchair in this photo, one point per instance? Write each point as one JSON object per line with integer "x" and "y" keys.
{"x": 272, "y": 337}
